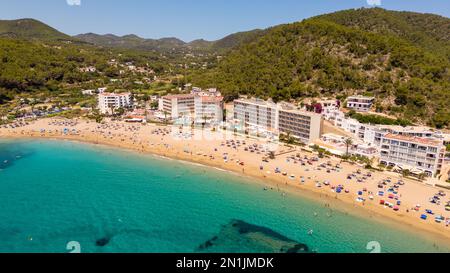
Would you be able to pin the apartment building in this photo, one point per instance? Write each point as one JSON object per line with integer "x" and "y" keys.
{"x": 108, "y": 102}
{"x": 360, "y": 103}
{"x": 413, "y": 153}
{"x": 278, "y": 119}
{"x": 208, "y": 109}
{"x": 304, "y": 126}
{"x": 177, "y": 106}
{"x": 255, "y": 114}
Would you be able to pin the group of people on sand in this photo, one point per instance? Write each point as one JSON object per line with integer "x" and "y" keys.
{"x": 64, "y": 123}
{"x": 16, "y": 124}
{"x": 298, "y": 167}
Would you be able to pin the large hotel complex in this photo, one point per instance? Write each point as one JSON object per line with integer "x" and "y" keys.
{"x": 422, "y": 154}
{"x": 417, "y": 149}
{"x": 108, "y": 102}
{"x": 203, "y": 107}
{"x": 268, "y": 117}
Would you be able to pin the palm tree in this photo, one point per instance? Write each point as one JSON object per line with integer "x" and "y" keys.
{"x": 348, "y": 143}
{"x": 205, "y": 118}
{"x": 290, "y": 139}
{"x": 406, "y": 173}
{"x": 421, "y": 176}
{"x": 369, "y": 162}
{"x": 165, "y": 117}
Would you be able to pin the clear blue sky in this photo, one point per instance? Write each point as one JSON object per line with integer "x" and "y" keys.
{"x": 188, "y": 19}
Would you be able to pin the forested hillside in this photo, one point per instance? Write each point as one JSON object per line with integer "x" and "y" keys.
{"x": 428, "y": 31}
{"x": 334, "y": 55}
{"x": 30, "y": 29}
{"x": 402, "y": 58}
{"x": 171, "y": 44}
{"x": 27, "y": 66}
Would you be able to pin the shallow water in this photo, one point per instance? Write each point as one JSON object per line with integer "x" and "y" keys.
{"x": 109, "y": 200}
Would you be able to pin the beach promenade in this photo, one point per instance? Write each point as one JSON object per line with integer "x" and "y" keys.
{"x": 339, "y": 185}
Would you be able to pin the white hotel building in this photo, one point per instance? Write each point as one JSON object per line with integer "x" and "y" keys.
{"x": 413, "y": 153}
{"x": 208, "y": 109}
{"x": 177, "y": 106}
{"x": 108, "y": 102}
{"x": 201, "y": 106}
{"x": 255, "y": 114}
{"x": 302, "y": 125}
{"x": 265, "y": 116}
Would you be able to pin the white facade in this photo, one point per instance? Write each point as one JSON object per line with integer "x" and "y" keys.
{"x": 304, "y": 126}
{"x": 360, "y": 103}
{"x": 108, "y": 102}
{"x": 177, "y": 106}
{"x": 208, "y": 109}
{"x": 264, "y": 116}
{"x": 101, "y": 90}
{"x": 373, "y": 133}
{"x": 413, "y": 153}
{"x": 88, "y": 92}
{"x": 256, "y": 114}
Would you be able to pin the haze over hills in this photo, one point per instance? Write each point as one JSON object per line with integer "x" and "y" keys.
{"x": 130, "y": 42}
{"x": 31, "y": 29}
{"x": 402, "y": 58}
{"x": 135, "y": 42}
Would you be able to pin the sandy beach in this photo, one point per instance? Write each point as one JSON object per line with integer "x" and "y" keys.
{"x": 292, "y": 171}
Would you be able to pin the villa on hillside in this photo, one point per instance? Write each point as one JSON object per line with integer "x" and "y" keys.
{"x": 360, "y": 103}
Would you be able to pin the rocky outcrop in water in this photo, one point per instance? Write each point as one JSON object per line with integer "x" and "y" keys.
{"x": 239, "y": 236}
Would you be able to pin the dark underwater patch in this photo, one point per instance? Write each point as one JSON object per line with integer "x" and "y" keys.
{"x": 103, "y": 241}
{"x": 242, "y": 236}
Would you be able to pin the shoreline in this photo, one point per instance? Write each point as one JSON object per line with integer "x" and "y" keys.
{"x": 342, "y": 203}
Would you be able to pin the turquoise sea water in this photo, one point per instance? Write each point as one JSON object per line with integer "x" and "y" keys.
{"x": 54, "y": 192}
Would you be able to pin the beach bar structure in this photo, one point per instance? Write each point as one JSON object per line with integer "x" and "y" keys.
{"x": 415, "y": 154}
